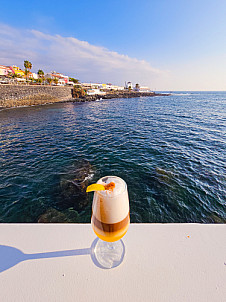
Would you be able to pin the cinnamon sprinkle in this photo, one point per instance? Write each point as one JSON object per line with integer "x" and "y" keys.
{"x": 110, "y": 186}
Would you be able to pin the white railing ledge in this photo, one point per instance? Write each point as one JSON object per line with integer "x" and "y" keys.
{"x": 163, "y": 262}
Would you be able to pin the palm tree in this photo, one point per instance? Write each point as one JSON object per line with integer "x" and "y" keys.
{"x": 26, "y": 73}
{"x": 41, "y": 76}
{"x": 28, "y": 66}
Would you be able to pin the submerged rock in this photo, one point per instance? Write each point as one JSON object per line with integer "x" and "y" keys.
{"x": 54, "y": 216}
{"x": 165, "y": 177}
{"x": 213, "y": 218}
{"x": 73, "y": 186}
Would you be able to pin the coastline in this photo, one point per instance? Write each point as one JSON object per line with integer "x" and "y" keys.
{"x": 117, "y": 95}
{"x": 12, "y": 96}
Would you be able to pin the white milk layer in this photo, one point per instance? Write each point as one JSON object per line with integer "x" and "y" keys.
{"x": 111, "y": 206}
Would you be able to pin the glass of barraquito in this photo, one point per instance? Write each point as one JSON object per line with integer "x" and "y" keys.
{"x": 110, "y": 220}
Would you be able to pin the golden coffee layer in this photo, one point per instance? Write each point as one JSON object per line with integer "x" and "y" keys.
{"x": 110, "y": 232}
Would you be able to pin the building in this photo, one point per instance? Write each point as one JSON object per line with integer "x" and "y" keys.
{"x": 17, "y": 71}
{"x": 95, "y": 91}
{"x": 5, "y": 71}
{"x": 104, "y": 87}
{"x": 62, "y": 79}
{"x": 114, "y": 87}
{"x": 128, "y": 85}
{"x": 142, "y": 88}
{"x": 91, "y": 86}
{"x": 109, "y": 86}
{"x": 34, "y": 75}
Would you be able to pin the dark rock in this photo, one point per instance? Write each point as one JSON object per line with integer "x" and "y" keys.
{"x": 54, "y": 216}
{"x": 73, "y": 186}
{"x": 214, "y": 218}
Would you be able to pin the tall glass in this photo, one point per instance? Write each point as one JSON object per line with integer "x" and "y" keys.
{"x": 110, "y": 221}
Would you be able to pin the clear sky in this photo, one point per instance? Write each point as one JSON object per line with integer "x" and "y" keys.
{"x": 165, "y": 44}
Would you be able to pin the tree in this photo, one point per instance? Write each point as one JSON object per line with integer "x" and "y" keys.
{"x": 12, "y": 75}
{"x": 56, "y": 81}
{"x": 40, "y": 73}
{"x": 78, "y": 92}
{"x": 26, "y": 73}
{"x": 49, "y": 80}
{"x": 76, "y": 81}
{"x": 39, "y": 80}
{"x": 27, "y": 66}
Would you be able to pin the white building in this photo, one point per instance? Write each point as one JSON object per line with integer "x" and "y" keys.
{"x": 34, "y": 75}
{"x": 62, "y": 79}
{"x": 5, "y": 70}
{"x": 110, "y": 87}
{"x": 91, "y": 85}
{"x": 95, "y": 91}
{"x": 142, "y": 89}
{"x": 128, "y": 85}
{"x": 102, "y": 86}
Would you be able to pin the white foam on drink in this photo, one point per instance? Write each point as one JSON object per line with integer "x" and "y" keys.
{"x": 120, "y": 186}
{"x": 111, "y": 206}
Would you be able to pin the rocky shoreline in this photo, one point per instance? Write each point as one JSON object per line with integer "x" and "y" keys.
{"x": 29, "y": 95}
{"x": 116, "y": 95}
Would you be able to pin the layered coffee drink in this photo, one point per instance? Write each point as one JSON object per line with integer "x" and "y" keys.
{"x": 110, "y": 211}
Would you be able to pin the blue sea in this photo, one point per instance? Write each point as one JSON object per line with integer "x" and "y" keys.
{"x": 171, "y": 151}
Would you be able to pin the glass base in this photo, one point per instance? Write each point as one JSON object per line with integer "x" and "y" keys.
{"x": 109, "y": 254}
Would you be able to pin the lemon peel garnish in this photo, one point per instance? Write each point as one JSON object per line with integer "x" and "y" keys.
{"x": 95, "y": 187}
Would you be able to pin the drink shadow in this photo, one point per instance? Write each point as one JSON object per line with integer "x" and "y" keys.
{"x": 11, "y": 256}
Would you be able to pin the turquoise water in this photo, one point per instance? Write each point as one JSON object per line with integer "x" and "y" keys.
{"x": 170, "y": 150}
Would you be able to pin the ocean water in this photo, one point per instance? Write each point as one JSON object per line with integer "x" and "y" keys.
{"x": 171, "y": 151}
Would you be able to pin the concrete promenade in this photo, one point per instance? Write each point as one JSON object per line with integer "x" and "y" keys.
{"x": 163, "y": 262}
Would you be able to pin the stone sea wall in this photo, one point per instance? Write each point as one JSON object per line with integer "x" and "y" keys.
{"x": 27, "y": 95}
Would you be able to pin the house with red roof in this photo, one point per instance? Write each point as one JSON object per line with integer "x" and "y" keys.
{"x": 62, "y": 79}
